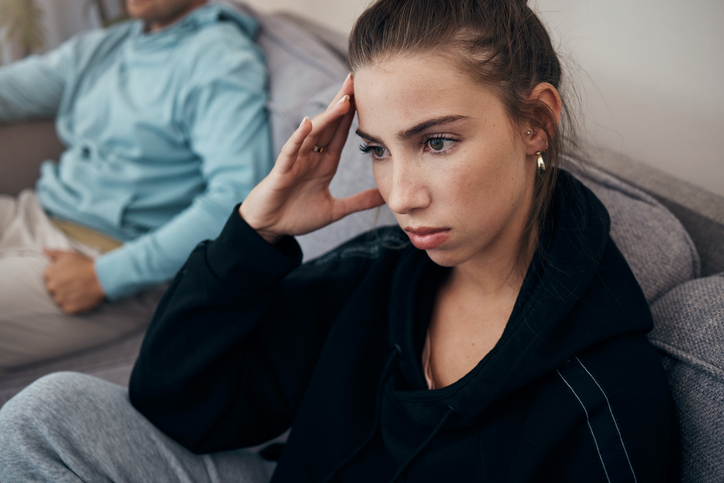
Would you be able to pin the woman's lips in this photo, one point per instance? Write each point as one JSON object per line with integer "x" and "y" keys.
{"x": 426, "y": 238}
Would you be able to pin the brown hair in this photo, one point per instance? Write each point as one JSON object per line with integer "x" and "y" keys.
{"x": 501, "y": 43}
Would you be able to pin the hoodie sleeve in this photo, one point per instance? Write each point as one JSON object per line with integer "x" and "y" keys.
{"x": 225, "y": 119}
{"x": 33, "y": 87}
{"x": 235, "y": 340}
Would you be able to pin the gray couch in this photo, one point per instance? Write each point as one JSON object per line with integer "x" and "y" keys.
{"x": 671, "y": 233}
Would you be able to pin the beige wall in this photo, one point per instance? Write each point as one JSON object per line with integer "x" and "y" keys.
{"x": 651, "y": 74}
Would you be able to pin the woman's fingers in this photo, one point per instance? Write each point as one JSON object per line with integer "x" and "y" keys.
{"x": 341, "y": 133}
{"x": 358, "y": 202}
{"x": 325, "y": 125}
{"x": 321, "y": 131}
{"x": 290, "y": 150}
{"x": 346, "y": 89}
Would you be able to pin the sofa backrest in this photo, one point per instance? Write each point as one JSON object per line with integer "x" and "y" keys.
{"x": 689, "y": 331}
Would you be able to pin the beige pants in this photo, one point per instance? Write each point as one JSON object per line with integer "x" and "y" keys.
{"x": 32, "y": 327}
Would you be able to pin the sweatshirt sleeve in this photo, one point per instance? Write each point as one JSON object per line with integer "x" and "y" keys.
{"x": 225, "y": 119}
{"x": 33, "y": 87}
{"x": 234, "y": 341}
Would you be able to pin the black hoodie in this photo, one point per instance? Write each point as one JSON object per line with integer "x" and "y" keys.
{"x": 247, "y": 343}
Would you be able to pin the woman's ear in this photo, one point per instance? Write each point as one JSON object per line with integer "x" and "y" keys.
{"x": 546, "y": 97}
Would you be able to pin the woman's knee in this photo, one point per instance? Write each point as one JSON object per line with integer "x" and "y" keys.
{"x": 51, "y": 422}
{"x": 56, "y": 399}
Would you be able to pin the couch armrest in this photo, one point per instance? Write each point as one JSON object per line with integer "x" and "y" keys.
{"x": 700, "y": 211}
{"x": 22, "y": 148}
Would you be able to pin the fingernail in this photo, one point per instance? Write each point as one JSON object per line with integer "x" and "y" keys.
{"x": 303, "y": 121}
{"x": 344, "y": 98}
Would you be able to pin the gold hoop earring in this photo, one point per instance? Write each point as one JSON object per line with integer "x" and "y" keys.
{"x": 541, "y": 163}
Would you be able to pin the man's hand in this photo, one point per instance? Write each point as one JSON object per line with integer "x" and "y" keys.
{"x": 72, "y": 281}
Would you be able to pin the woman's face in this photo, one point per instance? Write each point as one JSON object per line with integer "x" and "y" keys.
{"x": 446, "y": 158}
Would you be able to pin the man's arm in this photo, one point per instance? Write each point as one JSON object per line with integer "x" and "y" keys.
{"x": 33, "y": 87}
{"x": 226, "y": 122}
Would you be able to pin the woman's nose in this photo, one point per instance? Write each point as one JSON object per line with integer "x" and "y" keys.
{"x": 408, "y": 189}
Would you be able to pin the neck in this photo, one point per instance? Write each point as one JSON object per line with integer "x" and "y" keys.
{"x": 489, "y": 278}
{"x": 158, "y": 24}
{"x": 500, "y": 269}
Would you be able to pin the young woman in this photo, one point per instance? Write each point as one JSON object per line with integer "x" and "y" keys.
{"x": 497, "y": 334}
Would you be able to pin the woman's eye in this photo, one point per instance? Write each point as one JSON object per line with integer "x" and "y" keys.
{"x": 440, "y": 145}
{"x": 378, "y": 152}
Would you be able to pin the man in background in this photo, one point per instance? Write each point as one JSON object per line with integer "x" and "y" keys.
{"x": 165, "y": 129}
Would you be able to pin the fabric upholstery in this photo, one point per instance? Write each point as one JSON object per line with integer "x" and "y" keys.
{"x": 689, "y": 330}
{"x": 707, "y": 233}
{"x": 24, "y": 147}
{"x": 657, "y": 247}
{"x": 700, "y": 211}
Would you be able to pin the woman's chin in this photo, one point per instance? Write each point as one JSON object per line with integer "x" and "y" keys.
{"x": 445, "y": 258}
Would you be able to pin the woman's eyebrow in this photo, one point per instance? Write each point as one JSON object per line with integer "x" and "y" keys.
{"x": 415, "y": 130}
{"x": 368, "y": 137}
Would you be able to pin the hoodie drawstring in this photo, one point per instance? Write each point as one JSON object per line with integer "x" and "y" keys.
{"x": 433, "y": 433}
{"x": 396, "y": 351}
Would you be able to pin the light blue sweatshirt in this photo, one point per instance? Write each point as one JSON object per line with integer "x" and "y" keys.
{"x": 165, "y": 133}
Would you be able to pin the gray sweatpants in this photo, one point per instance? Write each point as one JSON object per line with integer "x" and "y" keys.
{"x": 69, "y": 427}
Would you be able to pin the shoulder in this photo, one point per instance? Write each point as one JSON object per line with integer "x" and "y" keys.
{"x": 618, "y": 394}
{"x": 84, "y": 46}
{"x": 628, "y": 376}
{"x": 223, "y": 36}
{"x": 223, "y": 51}
{"x": 115, "y": 32}
{"x": 218, "y": 38}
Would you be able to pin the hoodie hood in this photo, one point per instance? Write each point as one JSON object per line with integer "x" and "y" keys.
{"x": 538, "y": 338}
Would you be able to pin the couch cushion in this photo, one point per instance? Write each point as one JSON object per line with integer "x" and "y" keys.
{"x": 655, "y": 244}
{"x": 689, "y": 330}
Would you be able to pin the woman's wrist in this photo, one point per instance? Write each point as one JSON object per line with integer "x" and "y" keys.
{"x": 265, "y": 234}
